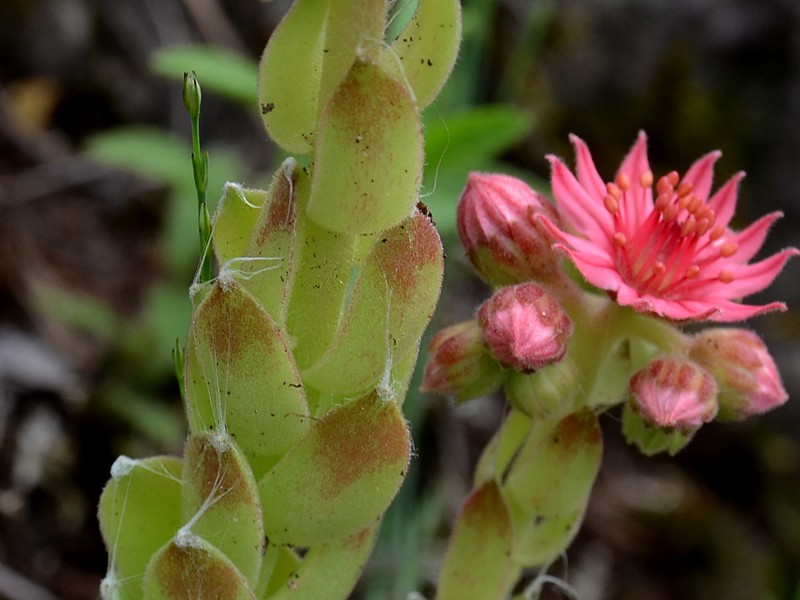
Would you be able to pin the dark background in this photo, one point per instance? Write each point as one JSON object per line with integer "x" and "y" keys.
{"x": 82, "y": 247}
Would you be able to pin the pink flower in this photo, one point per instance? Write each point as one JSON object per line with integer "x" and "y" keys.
{"x": 498, "y": 228}
{"x": 524, "y": 327}
{"x": 672, "y": 255}
{"x": 747, "y": 376}
{"x": 674, "y": 392}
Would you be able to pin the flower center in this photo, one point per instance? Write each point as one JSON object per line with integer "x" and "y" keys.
{"x": 676, "y": 246}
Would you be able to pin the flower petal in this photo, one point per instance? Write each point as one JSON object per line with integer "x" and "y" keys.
{"x": 730, "y": 312}
{"x": 752, "y": 237}
{"x": 723, "y": 202}
{"x": 584, "y": 213}
{"x": 701, "y": 174}
{"x": 588, "y": 176}
{"x": 639, "y": 199}
{"x": 597, "y": 271}
{"x": 752, "y": 278}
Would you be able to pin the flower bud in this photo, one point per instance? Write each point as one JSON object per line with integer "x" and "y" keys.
{"x": 674, "y": 392}
{"x": 670, "y": 399}
{"x": 524, "y": 327}
{"x": 748, "y": 380}
{"x": 459, "y": 365}
{"x": 191, "y": 94}
{"x": 498, "y": 228}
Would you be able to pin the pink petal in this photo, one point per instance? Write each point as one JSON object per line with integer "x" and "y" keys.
{"x": 724, "y": 200}
{"x": 754, "y": 277}
{"x": 586, "y": 214}
{"x": 701, "y": 174}
{"x": 634, "y": 164}
{"x": 587, "y": 173}
{"x": 733, "y": 311}
{"x": 752, "y": 238}
{"x": 600, "y": 273}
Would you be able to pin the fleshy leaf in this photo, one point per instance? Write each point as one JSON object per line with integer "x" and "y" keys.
{"x": 426, "y": 49}
{"x": 139, "y": 512}
{"x": 548, "y": 485}
{"x": 290, "y": 73}
{"x": 241, "y": 378}
{"x": 478, "y": 560}
{"x": 340, "y": 477}
{"x": 330, "y": 570}
{"x": 221, "y": 501}
{"x": 190, "y": 567}
{"x": 270, "y": 264}
{"x": 391, "y": 305}
{"x": 279, "y": 563}
{"x": 369, "y": 151}
{"x": 233, "y": 220}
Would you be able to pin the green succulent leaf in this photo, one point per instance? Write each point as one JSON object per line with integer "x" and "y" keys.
{"x": 425, "y": 51}
{"x": 478, "y": 560}
{"x": 241, "y": 378}
{"x": 391, "y": 305}
{"x": 369, "y": 151}
{"x": 139, "y": 512}
{"x": 191, "y": 567}
{"x": 290, "y": 74}
{"x": 547, "y": 487}
{"x": 221, "y": 502}
{"x": 340, "y": 477}
{"x": 330, "y": 570}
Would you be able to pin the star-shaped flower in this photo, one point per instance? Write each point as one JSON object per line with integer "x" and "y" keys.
{"x": 662, "y": 246}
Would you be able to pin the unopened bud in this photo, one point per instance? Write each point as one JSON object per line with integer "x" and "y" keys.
{"x": 670, "y": 399}
{"x": 459, "y": 365}
{"x": 748, "y": 380}
{"x": 548, "y": 393}
{"x": 191, "y": 94}
{"x": 498, "y": 228}
{"x": 525, "y": 328}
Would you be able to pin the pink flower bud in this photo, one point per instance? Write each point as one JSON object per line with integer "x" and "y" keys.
{"x": 459, "y": 365}
{"x": 673, "y": 392}
{"x": 524, "y": 327}
{"x": 498, "y": 228}
{"x": 748, "y": 379}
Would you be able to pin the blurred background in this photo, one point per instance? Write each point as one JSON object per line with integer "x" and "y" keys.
{"x": 98, "y": 244}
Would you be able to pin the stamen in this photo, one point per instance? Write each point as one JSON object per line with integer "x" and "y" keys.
{"x": 673, "y": 178}
{"x": 694, "y": 204}
{"x": 688, "y": 225}
{"x": 728, "y": 249}
{"x": 717, "y": 233}
{"x": 646, "y": 179}
{"x": 623, "y": 181}
{"x": 662, "y": 201}
{"x": 725, "y": 276}
{"x": 664, "y": 186}
{"x": 702, "y": 226}
{"x": 611, "y": 204}
{"x": 614, "y": 191}
{"x": 619, "y": 239}
{"x": 671, "y": 212}
{"x": 692, "y": 272}
{"x": 684, "y": 188}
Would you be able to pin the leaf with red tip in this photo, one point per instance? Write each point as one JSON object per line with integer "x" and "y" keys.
{"x": 391, "y": 305}
{"x": 189, "y": 568}
{"x": 241, "y": 378}
{"x": 369, "y": 152}
{"x": 221, "y": 501}
{"x": 340, "y": 477}
{"x": 478, "y": 560}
